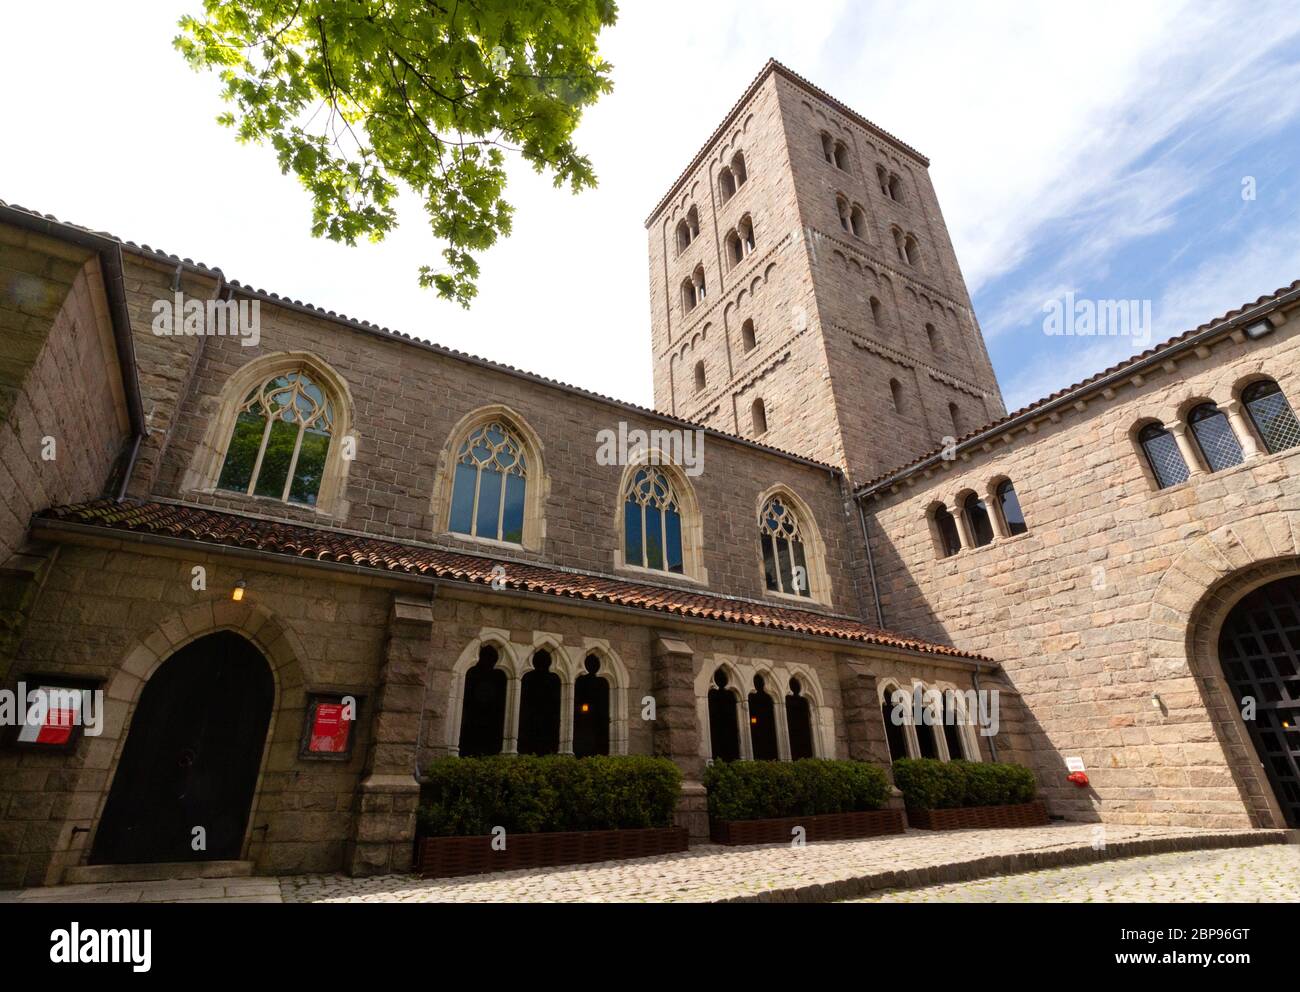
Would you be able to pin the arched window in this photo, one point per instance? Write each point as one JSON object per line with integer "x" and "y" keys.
{"x": 747, "y": 339}
{"x": 841, "y": 156}
{"x": 949, "y": 536}
{"x": 724, "y": 724}
{"x": 798, "y": 721}
{"x": 697, "y": 280}
{"x": 746, "y": 231}
{"x": 896, "y": 393}
{"x": 858, "y": 222}
{"x": 652, "y": 523}
{"x": 738, "y": 169}
{"x": 1219, "y": 446}
{"x": 894, "y": 188}
{"x": 842, "y": 208}
{"x": 977, "y": 520}
{"x": 1009, "y": 507}
{"x": 700, "y": 381}
{"x": 1272, "y": 416}
{"x": 683, "y": 235}
{"x": 932, "y": 337}
{"x": 882, "y": 177}
{"x": 539, "y": 708}
{"x": 735, "y": 251}
{"x": 877, "y": 311}
{"x": 688, "y": 296}
{"x": 726, "y": 184}
{"x": 780, "y": 536}
{"x": 828, "y": 148}
{"x": 483, "y": 713}
{"x": 911, "y": 251}
{"x": 591, "y": 711}
{"x": 491, "y": 485}
{"x": 281, "y": 440}
{"x": 954, "y": 414}
{"x": 926, "y": 724}
{"x": 1163, "y": 455}
{"x": 892, "y": 715}
{"x": 952, "y": 734}
{"x": 762, "y": 722}
{"x": 758, "y": 417}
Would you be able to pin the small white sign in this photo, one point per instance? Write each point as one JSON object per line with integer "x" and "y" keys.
{"x": 1074, "y": 764}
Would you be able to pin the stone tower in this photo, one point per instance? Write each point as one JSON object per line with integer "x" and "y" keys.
{"x": 804, "y": 290}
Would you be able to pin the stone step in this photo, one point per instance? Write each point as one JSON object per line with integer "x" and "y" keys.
{"x": 158, "y": 871}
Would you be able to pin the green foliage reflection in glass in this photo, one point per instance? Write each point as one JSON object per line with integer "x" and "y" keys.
{"x": 487, "y": 498}
{"x": 652, "y": 523}
{"x": 782, "y": 543}
{"x": 280, "y": 441}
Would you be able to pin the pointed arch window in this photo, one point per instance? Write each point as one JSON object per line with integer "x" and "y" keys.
{"x": 652, "y": 523}
{"x": 281, "y": 440}
{"x": 1272, "y": 416}
{"x": 539, "y": 708}
{"x": 762, "y": 722}
{"x": 724, "y": 722}
{"x": 892, "y": 716}
{"x": 952, "y": 735}
{"x": 1163, "y": 455}
{"x": 780, "y": 536}
{"x": 798, "y": 721}
{"x": 483, "y": 712}
{"x": 591, "y": 710}
{"x": 925, "y": 719}
{"x": 1219, "y": 446}
{"x": 490, "y": 486}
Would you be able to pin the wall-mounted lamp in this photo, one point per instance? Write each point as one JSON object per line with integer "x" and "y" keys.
{"x": 237, "y": 593}
{"x": 1258, "y": 329}
{"x": 1155, "y": 701}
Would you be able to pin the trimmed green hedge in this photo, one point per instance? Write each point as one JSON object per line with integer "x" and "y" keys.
{"x": 467, "y": 797}
{"x": 930, "y": 784}
{"x": 764, "y": 790}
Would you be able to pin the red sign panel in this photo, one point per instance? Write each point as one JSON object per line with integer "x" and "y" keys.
{"x": 330, "y": 729}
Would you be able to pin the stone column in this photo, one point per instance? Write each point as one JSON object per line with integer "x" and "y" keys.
{"x": 1245, "y": 434}
{"x": 383, "y": 825}
{"x": 1179, "y": 431}
{"x": 677, "y": 728}
{"x": 863, "y": 724}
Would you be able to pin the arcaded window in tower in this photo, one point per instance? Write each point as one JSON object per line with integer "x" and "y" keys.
{"x": 954, "y": 414}
{"x": 726, "y": 184}
{"x": 882, "y": 177}
{"x": 738, "y": 169}
{"x": 841, "y": 156}
{"x": 894, "y": 188}
{"x": 896, "y": 393}
{"x": 780, "y": 537}
{"x": 1272, "y": 416}
{"x": 828, "y": 148}
{"x": 490, "y": 488}
{"x": 842, "y": 208}
{"x": 747, "y": 339}
{"x": 911, "y": 250}
{"x": 1009, "y": 506}
{"x": 281, "y": 440}
{"x": 946, "y": 529}
{"x": 858, "y": 222}
{"x": 652, "y": 522}
{"x": 746, "y": 231}
{"x": 700, "y": 381}
{"x": 735, "y": 252}
{"x": 892, "y": 716}
{"x": 932, "y": 337}
{"x": 877, "y": 310}
{"x": 1163, "y": 456}
{"x": 1219, "y": 446}
{"x": 977, "y": 520}
{"x": 683, "y": 235}
{"x": 758, "y": 417}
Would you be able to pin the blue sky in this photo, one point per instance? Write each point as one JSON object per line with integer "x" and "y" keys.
{"x": 1098, "y": 149}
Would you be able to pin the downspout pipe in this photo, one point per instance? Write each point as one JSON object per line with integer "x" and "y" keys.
{"x": 871, "y": 565}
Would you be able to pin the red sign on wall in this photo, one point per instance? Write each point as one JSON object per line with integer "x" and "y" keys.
{"x": 331, "y": 729}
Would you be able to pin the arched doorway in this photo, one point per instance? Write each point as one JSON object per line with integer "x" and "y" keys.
{"x": 191, "y": 757}
{"x": 1259, "y": 650}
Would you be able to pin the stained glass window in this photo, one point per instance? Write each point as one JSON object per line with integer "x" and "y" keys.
{"x": 785, "y": 566}
{"x": 652, "y": 523}
{"x": 490, "y": 485}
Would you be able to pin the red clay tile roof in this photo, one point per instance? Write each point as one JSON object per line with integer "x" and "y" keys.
{"x": 207, "y": 526}
{"x": 1087, "y": 385}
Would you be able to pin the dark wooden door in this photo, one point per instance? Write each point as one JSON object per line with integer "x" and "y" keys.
{"x": 191, "y": 757}
{"x": 1259, "y": 649}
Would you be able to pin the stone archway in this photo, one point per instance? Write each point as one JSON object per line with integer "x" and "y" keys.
{"x": 255, "y": 624}
{"x": 1193, "y": 601}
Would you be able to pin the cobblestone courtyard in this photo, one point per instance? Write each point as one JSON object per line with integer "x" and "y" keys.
{"x": 1257, "y": 874}
{"x": 819, "y": 872}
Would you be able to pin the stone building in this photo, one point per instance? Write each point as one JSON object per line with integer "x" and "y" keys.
{"x": 302, "y": 564}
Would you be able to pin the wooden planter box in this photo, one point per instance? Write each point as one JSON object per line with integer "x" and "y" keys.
{"x": 824, "y": 826}
{"x": 979, "y": 817}
{"x": 447, "y": 857}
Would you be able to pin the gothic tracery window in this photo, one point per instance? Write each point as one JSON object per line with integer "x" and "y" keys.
{"x": 281, "y": 440}
{"x": 780, "y": 535}
{"x": 490, "y": 486}
{"x": 652, "y": 522}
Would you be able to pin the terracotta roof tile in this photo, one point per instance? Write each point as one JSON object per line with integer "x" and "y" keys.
{"x": 215, "y": 527}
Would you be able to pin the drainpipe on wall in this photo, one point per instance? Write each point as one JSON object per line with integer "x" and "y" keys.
{"x": 871, "y": 565}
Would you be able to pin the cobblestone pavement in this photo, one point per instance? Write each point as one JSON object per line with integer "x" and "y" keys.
{"x": 710, "y": 873}
{"x": 1252, "y": 874}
